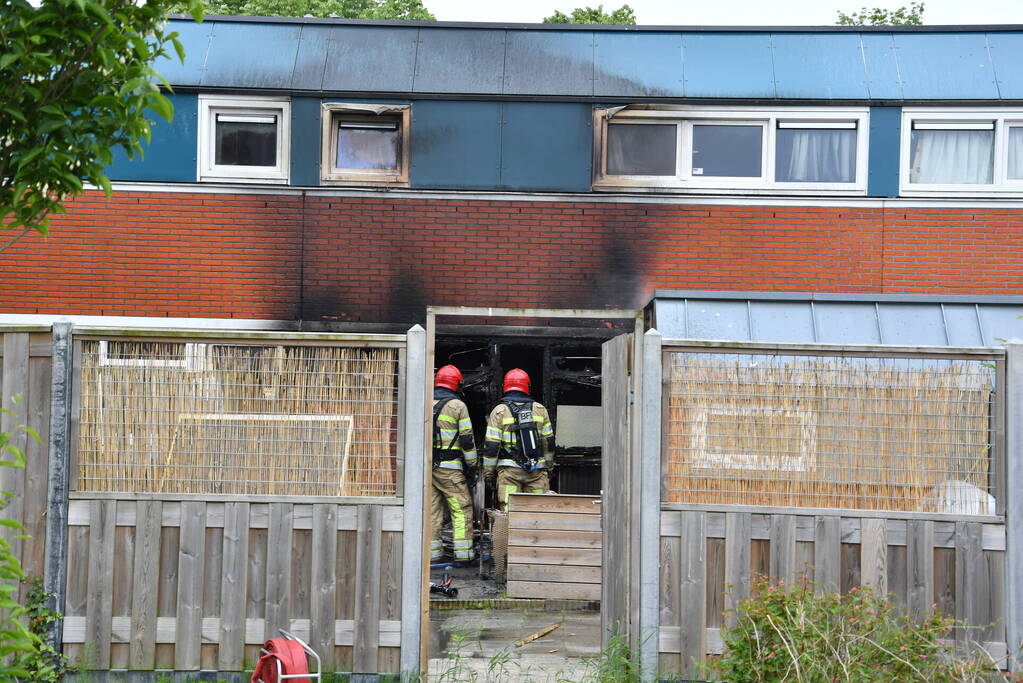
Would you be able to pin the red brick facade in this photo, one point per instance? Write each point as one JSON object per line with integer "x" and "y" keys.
{"x": 384, "y": 260}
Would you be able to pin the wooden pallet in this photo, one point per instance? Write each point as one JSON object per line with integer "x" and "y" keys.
{"x": 554, "y": 546}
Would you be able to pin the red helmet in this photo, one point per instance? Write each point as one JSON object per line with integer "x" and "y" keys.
{"x": 448, "y": 376}
{"x": 516, "y": 380}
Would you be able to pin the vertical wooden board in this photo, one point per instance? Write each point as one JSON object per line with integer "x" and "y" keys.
{"x": 804, "y": 561}
{"x": 14, "y": 382}
{"x": 191, "y": 547}
{"x": 693, "y": 592}
{"x": 323, "y": 604}
{"x": 669, "y": 664}
{"x": 301, "y": 573}
{"x": 783, "y": 548}
{"x": 77, "y": 583}
{"x": 850, "y": 566}
{"x": 234, "y": 594}
{"x": 615, "y": 484}
{"x": 37, "y": 466}
{"x": 996, "y": 580}
{"x": 827, "y": 554}
{"x": 874, "y": 553}
{"x": 213, "y": 569}
{"x": 388, "y": 660}
{"x": 144, "y": 584}
{"x": 124, "y": 557}
{"x": 99, "y": 601}
{"x": 972, "y": 591}
{"x": 278, "y": 569}
{"x": 919, "y": 567}
{"x": 367, "y": 589}
{"x": 344, "y": 656}
{"x": 390, "y": 576}
{"x": 945, "y": 581}
{"x": 897, "y": 576}
{"x": 347, "y": 550}
{"x": 715, "y": 574}
{"x": 671, "y": 608}
{"x": 760, "y": 557}
{"x": 738, "y": 557}
{"x": 255, "y": 593}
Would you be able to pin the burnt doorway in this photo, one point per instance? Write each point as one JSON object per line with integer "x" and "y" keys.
{"x": 561, "y": 351}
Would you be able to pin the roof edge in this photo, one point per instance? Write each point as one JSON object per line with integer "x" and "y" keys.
{"x": 836, "y": 297}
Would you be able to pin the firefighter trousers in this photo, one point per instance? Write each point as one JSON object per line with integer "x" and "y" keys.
{"x": 451, "y": 494}
{"x": 517, "y": 480}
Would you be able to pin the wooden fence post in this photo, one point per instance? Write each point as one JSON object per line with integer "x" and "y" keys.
{"x": 1014, "y": 504}
{"x": 55, "y": 558}
{"x": 650, "y": 501}
{"x": 412, "y": 529}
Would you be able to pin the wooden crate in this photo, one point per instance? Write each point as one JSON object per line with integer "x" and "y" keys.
{"x": 554, "y": 546}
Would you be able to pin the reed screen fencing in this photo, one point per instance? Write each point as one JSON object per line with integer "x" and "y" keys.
{"x": 906, "y": 434}
{"x": 229, "y": 418}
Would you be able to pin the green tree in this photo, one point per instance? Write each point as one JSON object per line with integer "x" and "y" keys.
{"x": 78, "y": 80}
{"x": 623, "y": 16}
{"x": 903, "y": 16}
{"x": 404, "y": 10}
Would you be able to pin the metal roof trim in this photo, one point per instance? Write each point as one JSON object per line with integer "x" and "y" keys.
{"x": 835, "y": 297}
{"x": 604, "y": 28}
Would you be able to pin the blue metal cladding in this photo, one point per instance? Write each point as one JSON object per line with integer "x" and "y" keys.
{"x": 456, "y": 145}
{"x": 170, "y": 155}
{"x": 723, "y": 64}
{"x": 638, "y": 65}
{"x": 784, "y": 65}
{"x": 839, "y": 319}
{"x": 460, "y": 61}
{"x": 305, "y": 141}
{"x": 546, "y": 146}
{"x": 883, "y": 152}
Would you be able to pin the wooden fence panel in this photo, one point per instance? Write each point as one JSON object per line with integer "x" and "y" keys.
{"x": 205, "y": 582}
{"x": 962, "y": 563}
{"x": 540, "y": 567}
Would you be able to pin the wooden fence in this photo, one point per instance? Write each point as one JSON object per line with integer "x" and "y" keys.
{"x": 707, "y": 557}
{"x": 554, "y": 546}
{"x": 200, "y": 584}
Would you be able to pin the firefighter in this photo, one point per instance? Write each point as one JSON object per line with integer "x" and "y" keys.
{"x": 454, "y": 463}
{"x": 519, "y": 450}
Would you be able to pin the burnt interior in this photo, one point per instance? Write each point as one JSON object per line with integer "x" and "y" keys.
{"x": 564, "y": 370}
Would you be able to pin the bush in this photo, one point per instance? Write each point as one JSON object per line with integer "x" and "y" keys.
{"x": 787, "y": 633}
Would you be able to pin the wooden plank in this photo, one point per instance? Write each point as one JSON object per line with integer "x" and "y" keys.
{"x": 874, "y": 554}
{"x": 972, "y": 590}
{"x": 715, "y": 582}
{"x": 191, "y": 547}
{"x": 738, "y": 529}
{"x": 554, "y": 539}
{"x": 896, "y": 576}
{"x": 616, "y": 485}
{"x": 783, "y": 548}
{"x": 919, "y": 567}
{"x": 278, "y": 569}
{"x": 945, "y": 581}
{"x": 827, "y": 554}
{"x": 14, "y": 382}
{"x": 123, "y": 551}
{"x": 693, "y": 593}
{"x": 554, "y": 503}
{"x": 390, "y": 576}
{"x": 324, "y": 582}
{"x": 233, "y": 587}
{"x": 101, "y": 578}
{"x": 142, "y": 651}
{"x": 301, "y": 573}
{"x": 587, "y": 557}
{"x": 542, "y": 573}
{"x": 255, "y": 581}
{"x": 213, "y": 572}
{"x": 565, "y": 591}
{"x": 347, "y": 550}
{"x": 669, "y": 602}
{"x": 367, "y": 590}
{"x": 850, "y": 566}
{"x": 551, "y": 521}
{"x": 36, "y": 467}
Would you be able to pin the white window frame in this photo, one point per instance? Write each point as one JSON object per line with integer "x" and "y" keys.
{"x": 687, "y": 115}
{"x": 193, "y": 360}
{"x": 1000, "y": 184}
{"x": 210, "y": 171}
{"x": 332, "y": 112}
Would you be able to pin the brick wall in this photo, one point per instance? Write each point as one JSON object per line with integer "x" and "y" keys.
{"x": 384, "y": 260}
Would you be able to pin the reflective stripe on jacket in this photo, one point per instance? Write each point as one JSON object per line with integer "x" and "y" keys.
{"x": 500, "y": 434}
{"x": 453, "y": 423}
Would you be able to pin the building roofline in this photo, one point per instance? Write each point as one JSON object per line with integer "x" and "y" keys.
{"x": 947, "y": 28}
{"x": 837, "y": 297}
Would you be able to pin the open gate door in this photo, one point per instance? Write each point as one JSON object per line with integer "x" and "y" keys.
{"x": 616, "y": 490}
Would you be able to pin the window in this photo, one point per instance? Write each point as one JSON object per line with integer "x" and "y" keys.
{"x": 365, "y": 143}
{"x": 962, "y": 151}
{"x": 731, "y": 149}
{"x": 243, "y": 139}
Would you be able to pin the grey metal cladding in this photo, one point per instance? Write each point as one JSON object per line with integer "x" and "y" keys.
{"x": 946, "y": 65}
{"x": 311, "y": 60}
{"x": 370, "y": 59}
{"x": 637, "y": 65}
{"x": 726, "y": 64}
{"x": 251, "y": 55}
{"x": 460, "y": 61}
{"x": 810, "y": 65}
{"x": 549, "y": 63}
{"x": 195, "y": 39}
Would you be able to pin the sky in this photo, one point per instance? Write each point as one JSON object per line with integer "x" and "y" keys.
{"x": 729, "y": 12}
